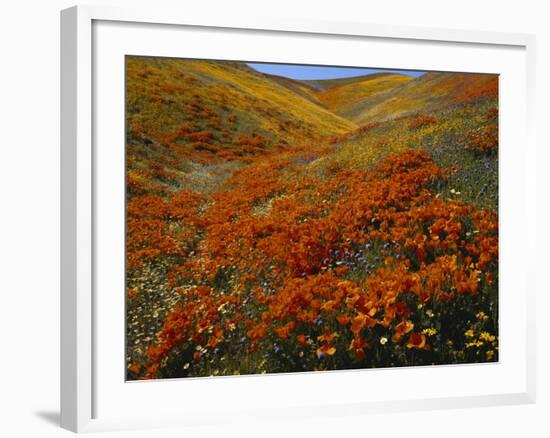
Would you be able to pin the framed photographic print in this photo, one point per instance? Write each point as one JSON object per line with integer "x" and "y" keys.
{"x": 257, "y": 207}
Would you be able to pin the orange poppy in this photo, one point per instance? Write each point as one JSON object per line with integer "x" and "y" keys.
{"x": 326, "y": 349}
{"x": 135, "y": 368}
{"x": 343, "y": 320}
{"x": 402, "y": 329}
{"x": 358, "y": 323}
{"x": 284, "y": 331}
{"x": 417, "y": 341}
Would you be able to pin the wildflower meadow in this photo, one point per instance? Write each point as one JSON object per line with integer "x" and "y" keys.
{"x": 278, "y": 225}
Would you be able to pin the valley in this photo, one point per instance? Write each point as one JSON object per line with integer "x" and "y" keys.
{"x": 280, "y": 225}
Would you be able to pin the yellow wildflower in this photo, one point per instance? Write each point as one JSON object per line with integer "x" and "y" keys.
{"x": 474, "y": 344}
{"x": 486, "y": 336}
{"x": 429, "y": 331}
{"x": 482, "y": 316}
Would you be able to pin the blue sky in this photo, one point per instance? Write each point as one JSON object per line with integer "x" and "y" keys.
{"x": 320, "y": 72}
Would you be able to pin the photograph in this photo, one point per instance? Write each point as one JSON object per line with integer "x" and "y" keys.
{"x": 286, "y": 218}
{"x": 275, "y": 219}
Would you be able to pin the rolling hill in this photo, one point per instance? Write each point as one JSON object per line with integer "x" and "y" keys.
{"x": 193, "y": 122}
{"x": 344, "y": 96}
{"x": 216, "y": 92}
{"x": 215, "y": 113}
{"x": 347, "y": 98}
{"x": 303, "y": 88}
{"x": 430, "y": 92}
{"x": 325, "y": 84}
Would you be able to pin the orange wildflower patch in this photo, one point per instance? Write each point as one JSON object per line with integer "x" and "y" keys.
{"x": 401, "y": 330}
{"x": 483, "y": 140}
{"x": 278, "y": 256}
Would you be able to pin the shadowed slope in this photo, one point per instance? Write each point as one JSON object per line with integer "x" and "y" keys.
{"x": 325, "y": 84}
{"x": 344, "y": 96}
{"x": 300, "y": 87}
{"x": 347, "y": 99}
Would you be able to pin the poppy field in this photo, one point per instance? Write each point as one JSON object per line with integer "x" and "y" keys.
{"x": 282, "y": 225}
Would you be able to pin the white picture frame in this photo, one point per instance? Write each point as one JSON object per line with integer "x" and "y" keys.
{"x": 79, "y": 340}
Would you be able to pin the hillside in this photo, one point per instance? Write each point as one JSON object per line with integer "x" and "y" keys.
{"x": 303, "y": 88}
{"x": 214, "y": 112}
{"x": 347, "y": 98}
{"x": 325, "y": 84}
{"x": 430, "y": 92}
